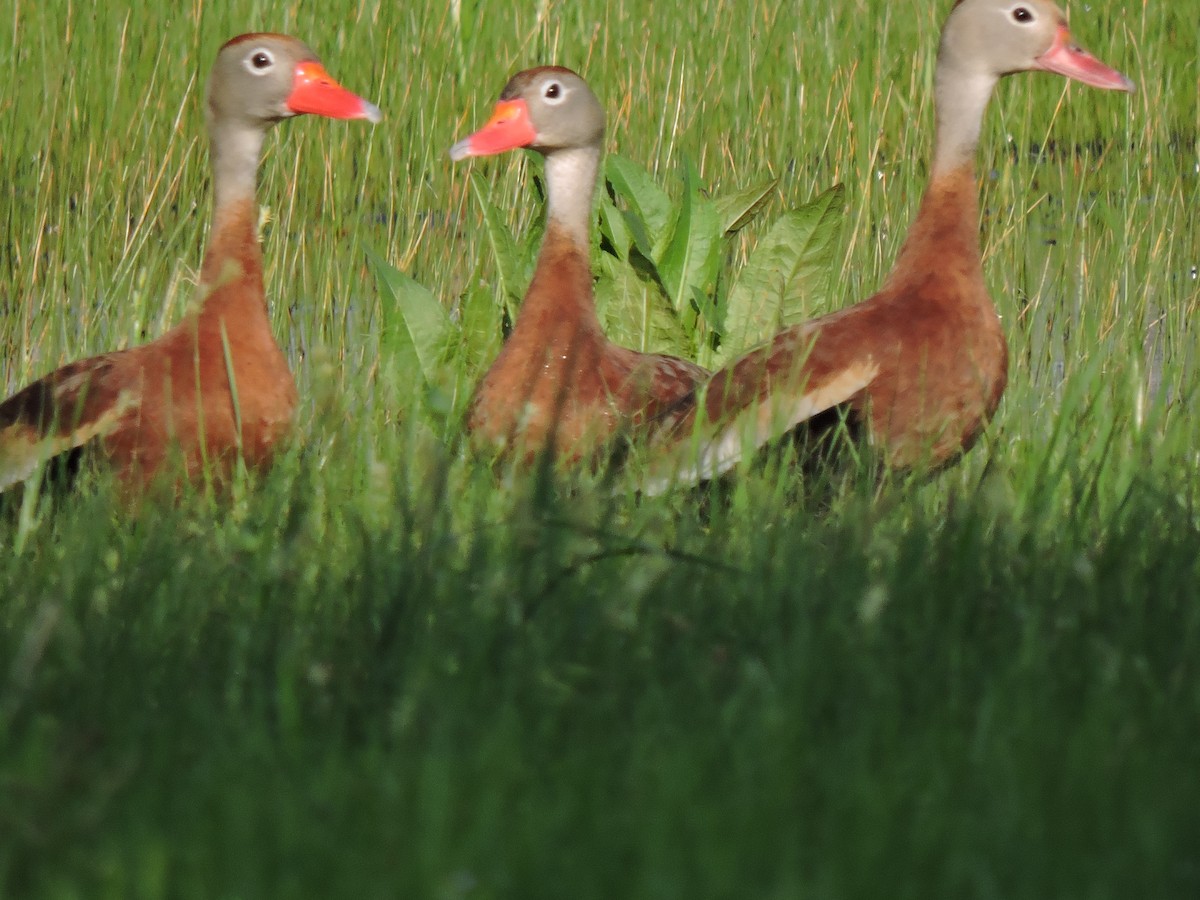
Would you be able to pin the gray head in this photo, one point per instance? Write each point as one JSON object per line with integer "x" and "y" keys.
{"x": 259, "y": 79}
{"x": 993, "y": 38}
{"x": 546, "y": 109}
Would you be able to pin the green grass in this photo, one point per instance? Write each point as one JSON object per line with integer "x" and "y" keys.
{"x": 389, "y": 671}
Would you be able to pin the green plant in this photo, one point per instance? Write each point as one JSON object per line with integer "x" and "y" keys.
{"x": 660, "y": 269}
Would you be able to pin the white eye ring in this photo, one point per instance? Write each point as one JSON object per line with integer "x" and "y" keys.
{"x": 1022, "y": 14}
{"x": 554, "y": 93}
{"x": 259, "y": 61}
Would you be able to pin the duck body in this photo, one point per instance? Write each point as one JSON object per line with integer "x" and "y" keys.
{"x": 174, "y": 395}
{"x": 216, "y": 386}
{"x": 558, "y": 384}
{"x": 923, "y": 363}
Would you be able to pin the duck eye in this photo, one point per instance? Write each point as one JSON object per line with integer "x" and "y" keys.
{"x": 259, "y": 61}
{"x": 1022, "y": 15}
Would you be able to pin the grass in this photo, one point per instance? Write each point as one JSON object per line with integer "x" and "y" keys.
{"x": 388, "y": 671}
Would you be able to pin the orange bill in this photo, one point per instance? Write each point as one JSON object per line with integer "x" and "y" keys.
{"x": 1065, "y": 57}
{"x": 509, "y": 127}
{"x": 313, "y": 91}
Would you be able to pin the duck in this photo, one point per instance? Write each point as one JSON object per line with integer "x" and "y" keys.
{"x": 921, "y": 365}
{"x": 558, "y": 385}
{"x": 216, "y": 387}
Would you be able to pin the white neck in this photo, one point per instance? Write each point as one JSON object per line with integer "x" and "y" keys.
{"x": 235, "y": 149}
{"x": 961, "y": 95}
{"x": 570, "y": 187}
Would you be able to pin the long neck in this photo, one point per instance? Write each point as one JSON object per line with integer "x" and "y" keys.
{"x": 235, "y": 148}
{"x": 561, "y": 291}
{"x": 570, "y": 186}
{"x": 961, "y": 94}
{"x": 231, "y": 276}
{"x": 947, "y": 223}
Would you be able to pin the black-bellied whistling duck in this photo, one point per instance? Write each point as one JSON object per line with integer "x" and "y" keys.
{"x": 559, "y": 384}
{"x": 216, "y": 385}
{"x": 923, "y": 363}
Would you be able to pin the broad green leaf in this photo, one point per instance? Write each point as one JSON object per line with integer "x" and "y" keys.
{"x": 735, "y": 210}
{"x": 786, "y": 276}
{"x": 413, "y": 319}
{"x": 614, "y": 227}
{"x": 642, "y": 240}
{"x": 510, "y": 257}
{"x": 650, "y": 205}
{"x": 689, "y": 260}
{"x": 634, "y": 312}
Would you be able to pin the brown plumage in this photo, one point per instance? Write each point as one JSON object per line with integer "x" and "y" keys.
{"x": 215, "y": 386}
{"x": 923, "y": 363}
{"x": 559, "y": 384}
